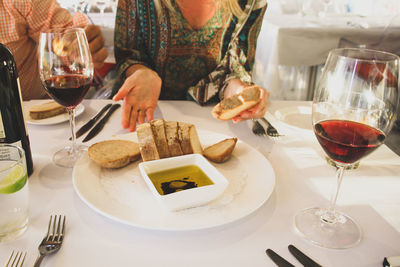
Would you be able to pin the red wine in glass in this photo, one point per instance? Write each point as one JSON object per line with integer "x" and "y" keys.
{"x": 68, "y": 90}
{"x": 347, "y": 141}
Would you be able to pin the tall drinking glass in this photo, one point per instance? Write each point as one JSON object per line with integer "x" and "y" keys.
{"x": 354, "y": 108}
{"x": 66, "y": 71}
{"x": 14, "y": 195}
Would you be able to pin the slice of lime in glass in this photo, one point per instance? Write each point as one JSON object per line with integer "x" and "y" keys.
{"x": 14, "y": 181}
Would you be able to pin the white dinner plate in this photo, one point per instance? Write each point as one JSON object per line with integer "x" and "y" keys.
{"x": 123, "y": 196}
{"x": 52, "y": 120}
{"x": 295, "y": 116}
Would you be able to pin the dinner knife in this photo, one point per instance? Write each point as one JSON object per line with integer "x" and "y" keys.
{"x": 278, "y": 260}
{"x": 86, "y": 127}
{"x": 100, "y": 125}
{"x": 302, "y": 258}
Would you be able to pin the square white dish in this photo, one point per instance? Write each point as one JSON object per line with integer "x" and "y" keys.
{"x": 187, "y": 198}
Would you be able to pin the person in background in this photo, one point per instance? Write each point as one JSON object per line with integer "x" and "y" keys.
{"x": 20, "y": 27}
{"x": 184, "y": 49}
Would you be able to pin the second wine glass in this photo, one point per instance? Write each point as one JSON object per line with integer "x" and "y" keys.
{"x": 66, "y": 71}
{"x": 354, "y": 108}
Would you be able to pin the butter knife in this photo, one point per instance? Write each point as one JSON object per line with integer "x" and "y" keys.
{"x": 278, "y": 260}
{"x": 86, "y": 127}
{"x": 302, "y": 258}
{"x": 100, "y": 125}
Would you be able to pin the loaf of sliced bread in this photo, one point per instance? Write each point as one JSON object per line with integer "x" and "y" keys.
{"x": 221, "y": 151}
{"x": 232, "y": 106}
{"x": 171, "y": 132}
{"x": 46, "y": 110}
{"x": 158, "y": 129}
{"x": 114, "y": 153}
{"x": 147, "y": 144}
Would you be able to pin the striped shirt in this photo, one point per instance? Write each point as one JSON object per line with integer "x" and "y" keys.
{"x": 21, "y": 22}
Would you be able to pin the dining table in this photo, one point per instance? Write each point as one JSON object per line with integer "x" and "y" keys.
{"x": 294, "y": 164}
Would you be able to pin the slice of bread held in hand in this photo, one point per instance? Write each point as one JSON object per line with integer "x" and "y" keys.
{"x": 221, "y": 151}
{"x": 113, "y": 154}
{"x": 232, "y": 106}
{"x": 46, "y": 110}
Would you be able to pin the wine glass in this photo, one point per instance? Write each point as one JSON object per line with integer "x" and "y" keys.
{"x": 325, "y": 7}
{"x": 66, "y": 71}
{"x": 102, "y": 4}
{"x": 354, "y": 108}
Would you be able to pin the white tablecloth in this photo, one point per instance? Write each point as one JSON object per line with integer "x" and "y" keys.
{"x": 369, "y": 194}
{"x": 292, "y": 40}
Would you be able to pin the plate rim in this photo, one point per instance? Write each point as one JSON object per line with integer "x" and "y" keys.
{"x": 80, "y": 108}
{"x": 280, "y": 118}
{"x": 113, "y": 217}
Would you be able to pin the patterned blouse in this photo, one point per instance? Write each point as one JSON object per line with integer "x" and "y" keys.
{"x": 190, "y": 62}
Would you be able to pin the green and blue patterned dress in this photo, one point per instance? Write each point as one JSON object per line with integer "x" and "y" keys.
{"x": 196, "y": 63}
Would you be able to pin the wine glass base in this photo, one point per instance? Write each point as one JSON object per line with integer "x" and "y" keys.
{"x": 343, "y": 233}
{"x": 68, "y": 157}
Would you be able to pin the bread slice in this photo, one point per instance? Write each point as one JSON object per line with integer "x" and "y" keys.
{"x": 232, "y": 106}
{"x": 221, "y": 151}
{"x": 171, "y": 132}
{"x": 147, "y": 145}
{"x": 158, "y": 129}
{"x": 46, "y": 110}
{"x": 184, "y": 137}
{"x": 194, "y": 140}
{"x": 114, "y": 153}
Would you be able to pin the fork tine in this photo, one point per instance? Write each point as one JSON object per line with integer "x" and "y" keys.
{"x": 257, "y": 128}
{"x": 57, "y": 234}
{"x": 23, "y": 260}
{"x": 53, "y": 231}
{"x": 62, "y": 229}
{"x": 9, "y": 259}
{"x": 48, "y": 229}
{"x": 16, "y": 260}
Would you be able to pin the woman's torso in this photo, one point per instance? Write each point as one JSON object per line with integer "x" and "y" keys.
{"x": 193, "y": 53}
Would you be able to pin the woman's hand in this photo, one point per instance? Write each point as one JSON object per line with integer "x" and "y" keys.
{"x": 140, "y": 92}
{"x": 235, "y": 86}
{"x": 258, "y": 111}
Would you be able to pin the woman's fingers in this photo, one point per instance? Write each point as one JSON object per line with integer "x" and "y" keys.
{"x": 123, "y": 91}
{"x": 257, "y": 111}
{"x": 133, "y": 119}
{"x": 99, "y": 57}
{"x": 126, "y": 115}
{"x": 141, "y": 116}
{"x": 150, "y": 114}
{"x": 96, "y": 45}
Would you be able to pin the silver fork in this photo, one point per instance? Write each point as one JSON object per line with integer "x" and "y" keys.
{"x": 263, "y": 127}
{"x": 16, "y": 259}
{"x": 53, "y": 240}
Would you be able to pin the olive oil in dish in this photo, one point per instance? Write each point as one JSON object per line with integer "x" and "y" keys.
{"x": 178, "y": 179}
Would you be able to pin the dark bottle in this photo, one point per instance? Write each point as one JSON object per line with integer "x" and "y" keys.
{"x": 12, "y": 123}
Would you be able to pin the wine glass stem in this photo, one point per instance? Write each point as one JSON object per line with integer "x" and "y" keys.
{"x": 330, "y": 215}
{"x": 71, "y": 112}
